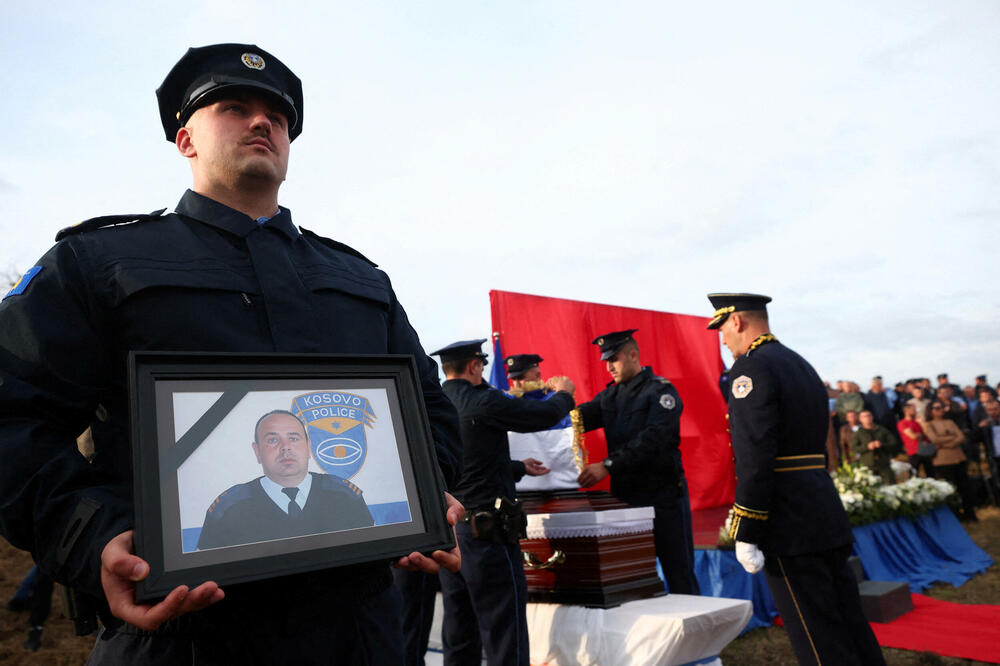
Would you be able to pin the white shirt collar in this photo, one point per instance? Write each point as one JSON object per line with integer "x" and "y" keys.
{"x": 273, "y": 491}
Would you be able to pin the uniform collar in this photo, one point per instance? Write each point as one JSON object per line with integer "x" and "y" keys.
{"x": 213, "y": 213}
{"x": 639, "y": 378}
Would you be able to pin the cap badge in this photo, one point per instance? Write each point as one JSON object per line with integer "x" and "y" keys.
{"x": 510, "y": 362}
{"x": 742, "y": 386}
{"x": 600, "y": 341}
{"x": 253, "y": 61}
{"x": 667, "y": 401}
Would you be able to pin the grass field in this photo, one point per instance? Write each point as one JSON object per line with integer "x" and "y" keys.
{"x": 60, "y": 647}
{"x": 770, "y": 645}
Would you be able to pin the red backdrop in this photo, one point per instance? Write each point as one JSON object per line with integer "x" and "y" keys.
{"x": 678, "y": 347}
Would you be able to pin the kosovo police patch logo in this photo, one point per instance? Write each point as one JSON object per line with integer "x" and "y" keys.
{"x": 253, "y": 61}
{"x": 667, "y": 401}
{"x": 22, "y": 284}
{"x": 336, "y": 423}
{"x": 742, "y": 386}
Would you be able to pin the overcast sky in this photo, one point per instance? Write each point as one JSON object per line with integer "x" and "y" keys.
{"x": 842, "y": 157}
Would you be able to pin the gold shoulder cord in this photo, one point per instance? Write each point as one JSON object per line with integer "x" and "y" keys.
{"x": 761, "y": 340}
{"x": 528, "y": 387}
{"x": 579, "y": 450}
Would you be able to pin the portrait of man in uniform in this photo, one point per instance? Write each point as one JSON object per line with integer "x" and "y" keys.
{"x": 287, "y": 500}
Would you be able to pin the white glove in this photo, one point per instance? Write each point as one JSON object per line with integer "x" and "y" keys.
{"x": 749, "y": 556}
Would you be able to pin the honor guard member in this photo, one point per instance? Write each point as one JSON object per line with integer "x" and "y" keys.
{"x": 641, "y": 416}
{"x": 484, "y": 603}
{"x": 788, "y": 518}
{"x": 523, "y": 372}
{"x": 227, "y": 272}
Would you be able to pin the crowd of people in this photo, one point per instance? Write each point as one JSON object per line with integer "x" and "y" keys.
{"x": 939, "y": 430}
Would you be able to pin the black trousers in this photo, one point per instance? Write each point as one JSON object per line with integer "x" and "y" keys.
{"x": 817, "y": 596}
{"x": 958, "y": 476}
{"x": 927, "y": 462}
{"x": 672, "y": 537}
{"x": 675, "y": 542}
{"x": 419, "y": 592}
{"x": 41, "y": 600}
{"x": 484, "y": 605}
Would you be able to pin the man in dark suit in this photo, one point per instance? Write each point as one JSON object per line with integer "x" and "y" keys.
{"x": 787, "y": 518}
{"x": 987, "y": 431}
{"x": 288, "y": 501}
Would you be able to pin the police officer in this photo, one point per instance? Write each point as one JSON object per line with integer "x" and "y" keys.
{"x": 228, "y": 271}
{"x": 484, "y": 603}
{"x": 523, "y": 373}
{"x": 641, "y": 416}
{"x": 788, "y": 518}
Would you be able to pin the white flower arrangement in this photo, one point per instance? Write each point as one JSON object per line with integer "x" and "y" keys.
{"x": 867, "y": 500}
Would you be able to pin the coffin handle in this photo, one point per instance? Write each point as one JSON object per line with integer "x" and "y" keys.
{"x": 531, "y": 560}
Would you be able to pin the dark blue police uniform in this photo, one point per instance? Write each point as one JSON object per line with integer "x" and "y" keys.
{"x": 485, "y": 601}
{"x": 206, "y": 278}
{"x": 245, "y": 513}
{"x": 642, "y": 423}
{"x": 786, "y": 503}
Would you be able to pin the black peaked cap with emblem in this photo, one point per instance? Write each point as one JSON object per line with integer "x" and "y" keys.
{"x": 726, "y": 304}
{"x": 611, "y": 343}
{"x": 518, "y": 364}
{"x": 463, "y": 350}
{"x": 205, "y": 73}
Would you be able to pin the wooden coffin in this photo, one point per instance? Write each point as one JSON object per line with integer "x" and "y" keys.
{"x": 588, "y": 549}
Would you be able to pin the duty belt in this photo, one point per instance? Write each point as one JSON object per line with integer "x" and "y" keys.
{"x": 797, "y": 463}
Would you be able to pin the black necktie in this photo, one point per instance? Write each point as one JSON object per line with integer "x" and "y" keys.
{"x": 294, "y": 511}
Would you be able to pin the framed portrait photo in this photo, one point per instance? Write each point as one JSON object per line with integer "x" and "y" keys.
{"x": 252, "y": 466}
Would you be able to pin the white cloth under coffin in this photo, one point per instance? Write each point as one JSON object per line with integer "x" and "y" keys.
{"x": 671, "y": 630}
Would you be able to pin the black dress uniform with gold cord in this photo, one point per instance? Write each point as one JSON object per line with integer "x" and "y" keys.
{"x": 786, "y": 503}
{"x": 205, "y": 278}
{"x": 485, "y": 602}
{"x": 642, "y": 424}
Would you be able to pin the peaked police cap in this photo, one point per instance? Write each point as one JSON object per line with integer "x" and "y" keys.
{"x": 726, "y": 304}
{"x": 207, "y": 73}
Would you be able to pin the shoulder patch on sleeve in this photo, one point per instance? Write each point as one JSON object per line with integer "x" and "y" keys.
{"x": 338, "y": 482}
{"x": 742, "y": 386}
{"x": 340, "y": 247}
{"x": 667, "y": 401}
{"x": 357, "y": 491}
{"x": 22, "y": 284}
{"x": 229, "y": 497}
{"x": 107, "y": 221}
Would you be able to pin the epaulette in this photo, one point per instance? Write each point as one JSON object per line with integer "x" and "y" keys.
{"x": 107, "y": 221}
{"x": 662, "y": 380}
{"x": 217, "y": 500}
{"x": 230, "y": 496}
{"x": 357, "y": 491}
{"x": 340, "y": 247}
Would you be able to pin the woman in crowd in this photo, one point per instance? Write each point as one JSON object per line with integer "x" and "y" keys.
{"x": 950, "y": 462}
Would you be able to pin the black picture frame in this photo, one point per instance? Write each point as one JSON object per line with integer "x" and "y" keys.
{"x": 193, "y": 431}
